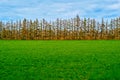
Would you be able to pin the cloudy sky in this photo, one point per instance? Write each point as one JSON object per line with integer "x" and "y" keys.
{"x": 52, "y": 9}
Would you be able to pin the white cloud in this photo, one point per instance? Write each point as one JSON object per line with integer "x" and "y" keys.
{"x": 114, "y": 6}
{"x": 58, "y": 8}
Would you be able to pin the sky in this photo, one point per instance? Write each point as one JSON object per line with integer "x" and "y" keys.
{"x": 64, "y": 9}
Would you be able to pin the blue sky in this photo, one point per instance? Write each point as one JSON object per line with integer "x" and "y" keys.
{"x": 52, "y": 9}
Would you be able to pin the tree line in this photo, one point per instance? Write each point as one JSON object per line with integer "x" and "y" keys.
{"x": 61, "y": 29}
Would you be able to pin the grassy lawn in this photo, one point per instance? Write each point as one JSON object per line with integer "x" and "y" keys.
{"x": 59, "y": 60}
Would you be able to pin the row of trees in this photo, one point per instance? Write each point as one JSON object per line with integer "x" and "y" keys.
{"x": 70, "y": 29}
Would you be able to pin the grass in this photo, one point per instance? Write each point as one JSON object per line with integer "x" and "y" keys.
{"x": 59, "y": 60}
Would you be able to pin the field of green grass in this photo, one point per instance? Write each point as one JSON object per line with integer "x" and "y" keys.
{"x": 60, "y": 60}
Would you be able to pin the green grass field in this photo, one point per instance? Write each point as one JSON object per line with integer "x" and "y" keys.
{"x": 59, "y": 60}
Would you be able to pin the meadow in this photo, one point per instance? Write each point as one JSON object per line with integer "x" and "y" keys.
{"x": 59, "y": 60}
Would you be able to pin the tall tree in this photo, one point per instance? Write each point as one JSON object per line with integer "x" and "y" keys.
{"x": 1, "y": 30}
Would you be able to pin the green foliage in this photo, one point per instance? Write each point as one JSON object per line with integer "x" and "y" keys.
{"x": 59, "y": 60}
